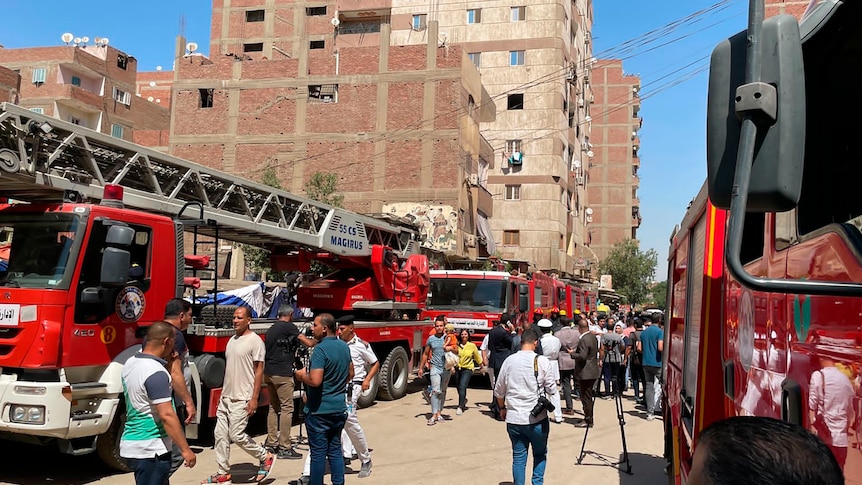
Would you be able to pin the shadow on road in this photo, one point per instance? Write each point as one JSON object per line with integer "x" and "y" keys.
{"x": 21, "y": 460}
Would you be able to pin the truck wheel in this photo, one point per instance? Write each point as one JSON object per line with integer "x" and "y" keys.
{"x": 367, "y": 397}
{"x": 394, "y": 375}
{"x": 108, "y": 444}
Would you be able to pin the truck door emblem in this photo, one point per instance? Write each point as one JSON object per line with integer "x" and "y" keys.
{"x": 130, "y": 304}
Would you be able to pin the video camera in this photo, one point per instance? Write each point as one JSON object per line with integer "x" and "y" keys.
{"x": 544, "y": 404}
{"x": 292, "y": 346}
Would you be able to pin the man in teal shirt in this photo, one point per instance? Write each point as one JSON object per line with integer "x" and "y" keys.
{"x": 326, "y": 379}
{"x": 651, "y": 344}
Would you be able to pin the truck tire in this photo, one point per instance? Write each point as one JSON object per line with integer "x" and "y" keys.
{"x": 367, "y": 397}
{"x": 108, "y": 444}
{"x": 393, "y": 375}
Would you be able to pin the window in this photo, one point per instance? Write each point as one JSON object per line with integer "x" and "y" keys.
{"x": 117, "y": 131}
{"x": 513, "y": 192}
{"x": 315, "y": 11}
{"x": 39, "y": 75}
{"x": 519, "y": 14}
{"x": 76, "y": 81}
{"x": 515, "y": 101}
{"x": 359, "y": 27}
{"x": 122, "y": 97}
{"x": 255, "y": 15}
{"x": 317, "y": 44}
{"x": 513, "y": 146}
{"x": 516, "y": 58}
{"x": 122, "y": 61}
{"x": 474, "y": 16}
{"x": 511, "y": 238}
{"x": 419, "y": 21}
{"x": 253, "y": 47}
{"x": 475, "y": 58}
{"x": 206, "y": 97}
{"x": 40, "y": 111}
{"x": 562, "y": 248}
{"x": 75, "y": 121}
{"x": 323, "y": 93}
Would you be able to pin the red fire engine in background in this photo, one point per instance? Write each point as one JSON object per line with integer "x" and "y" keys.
{"x": 476, "y": 299}
{"x": 71, "y": 314}
{"x": 764, "y": 310}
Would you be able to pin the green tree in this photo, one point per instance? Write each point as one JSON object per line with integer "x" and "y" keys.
{"x": 256, "y": 258}
{"x": 659, "y": 295}
{"x": 323, "y": 187}
{"x": 632, "y": 270}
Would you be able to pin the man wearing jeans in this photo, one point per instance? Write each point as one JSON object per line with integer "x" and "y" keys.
{"x": 326, "y": 380}
{"x": 651, "y": 345}
{"x": 523, "y": 377}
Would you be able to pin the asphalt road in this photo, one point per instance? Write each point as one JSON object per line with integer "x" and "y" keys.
{"x": 469, "y": 449}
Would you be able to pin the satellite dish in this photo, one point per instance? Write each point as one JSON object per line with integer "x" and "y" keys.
{"x": 576, "y": 163}
{"x": 590, "y": 154}
{"x": 76, "y": 40}
{"x": 158, "y": 68}
{"x": 104, "y": 41}
{"x": 588, "y": 118}
{"x": 335, "y": 22}
{"x": 98, "y": 40}
{"x": 150, "y": 99}
{"x": 85, "y": 40}
{"x": 158, "y": 100}
{"x": 589, "y": 211}
{"x": 152, "y": 84}
{"x": 67, "y": 37}
{"x": 192, "y": 46}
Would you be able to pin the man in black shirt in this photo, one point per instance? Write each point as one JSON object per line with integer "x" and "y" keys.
{"x": 281, "y": 341}
{"x": 499, "y": 347}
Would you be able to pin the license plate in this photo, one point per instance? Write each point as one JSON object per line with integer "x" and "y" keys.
{"x": 9, "y": 314}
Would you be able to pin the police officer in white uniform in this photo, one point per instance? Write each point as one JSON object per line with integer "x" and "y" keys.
{"x": 365, "y": 367}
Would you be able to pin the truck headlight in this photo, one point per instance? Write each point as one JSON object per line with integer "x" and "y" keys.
{"x": 27, "y": 414}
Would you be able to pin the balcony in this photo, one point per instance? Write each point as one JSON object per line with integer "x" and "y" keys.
{"x": 348, "y": 9}
{"x": 636, "y": 222}
{"x": 483, "y": 199}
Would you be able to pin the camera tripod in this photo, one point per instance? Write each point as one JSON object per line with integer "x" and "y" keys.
{"x": 616, "y": 387}
{"x": 300, "y": 439}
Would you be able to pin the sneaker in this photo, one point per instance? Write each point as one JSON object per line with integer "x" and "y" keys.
{"x": 650, "y": 417}
{"x": 303, "y": 480}
{"x": 365, "y": 470}
{"x": 217, "y": 478}
{"x": 459, "y": 412}
{"x": 558, "y": 419}
{"x": 288, "y": 453}
{"x": 568, "y": 411}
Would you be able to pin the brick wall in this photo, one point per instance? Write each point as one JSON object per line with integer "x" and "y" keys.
{"x": 791, "y": 7}
{"x": 9, "y": 81}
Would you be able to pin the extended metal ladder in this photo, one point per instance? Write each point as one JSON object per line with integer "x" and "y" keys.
{"x": 41, "y": 156}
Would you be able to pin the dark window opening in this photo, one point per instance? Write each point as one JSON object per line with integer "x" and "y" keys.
{"x": 317, "y": 44}
{"x": 122, "y": 61}
{"x": 206, "y": 100}
{"x": 323, "y": 93}
{"x": 315, "y": 11}
{"x": 515, "y": 101}
{"x": 255, "y": 47}
{"x": 752, "y": 237}
{"x": 255, "y": 15}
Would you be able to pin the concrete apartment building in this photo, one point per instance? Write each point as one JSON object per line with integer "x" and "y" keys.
{"x": 89, "y": 85}
{"x": 535, "y": 59}
{"x": 614, "y": 203}
{"x": 288, "y": 87}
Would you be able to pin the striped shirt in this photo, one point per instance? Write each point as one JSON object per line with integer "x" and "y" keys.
{"x": 146, "y": 383}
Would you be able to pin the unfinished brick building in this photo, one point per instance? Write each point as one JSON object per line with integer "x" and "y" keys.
{"x": 9, "y": 81}
{"x": 92, "y": 86}
{"x": 399, "y": 125}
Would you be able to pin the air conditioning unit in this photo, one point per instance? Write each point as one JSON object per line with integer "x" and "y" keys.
{"x": 580, "y": 102}
{"x": 474, "y": 179}
{"x": 579, "y": 179}
{"x": 586, "y": 79}
{"x": 589, "y": 219}
{"x": 587, "y": 38}
{"x": 592, "y": 98}
{"x": 585, "y": 146}
{"x": 470, "y": 240}
{"x": 517, "y": 158}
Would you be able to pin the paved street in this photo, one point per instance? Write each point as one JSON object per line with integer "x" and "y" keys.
{"x": 473, "y": 447}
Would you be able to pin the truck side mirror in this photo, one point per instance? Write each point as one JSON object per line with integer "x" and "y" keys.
{"x": 776, "y": 173}
{"x": 120, "y": 236}
{"x": 115, "y": 267}
{"x": 523, "y": 298}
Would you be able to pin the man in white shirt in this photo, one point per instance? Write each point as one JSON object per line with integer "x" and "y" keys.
{"x": 830, "y": 402}
{"x": 523, "y": 377}
{"x": 365, "y": 367}
{"x": 551, "y": 349}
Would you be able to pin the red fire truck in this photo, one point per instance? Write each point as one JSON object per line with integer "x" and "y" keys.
{"x": 764, "y": 310}
{"x": 71, "y": 314}
{"x": 475, "y": 299}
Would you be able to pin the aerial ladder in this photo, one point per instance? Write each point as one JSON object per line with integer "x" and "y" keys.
{"x": 79, "y": 210}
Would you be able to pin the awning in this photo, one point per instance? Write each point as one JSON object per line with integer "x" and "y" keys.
{"x": 484, "y": 228}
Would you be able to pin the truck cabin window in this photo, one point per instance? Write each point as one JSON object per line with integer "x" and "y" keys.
{"x": 36, "y": 249}
{"x": 833, "y": 155}
{"x": 467, "y": 294}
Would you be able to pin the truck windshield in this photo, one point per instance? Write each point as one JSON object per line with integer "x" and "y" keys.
{"x": 467, "y": 294}
{"x": 36, "y": 249}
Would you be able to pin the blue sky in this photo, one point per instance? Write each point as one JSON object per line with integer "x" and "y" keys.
{"x": 673, "y": 140}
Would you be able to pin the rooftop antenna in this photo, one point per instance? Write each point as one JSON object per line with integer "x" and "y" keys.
{"x": 67, "y": 37}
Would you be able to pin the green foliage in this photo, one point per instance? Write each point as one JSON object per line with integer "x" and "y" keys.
{"x": 491, "y": 265}
{"x": 659, "y": 295}
{"x": 632, "y": 270}
{"x": 323, "y": 187}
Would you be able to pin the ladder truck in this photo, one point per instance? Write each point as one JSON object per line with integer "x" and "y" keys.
{"x": 78, "y": 209}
